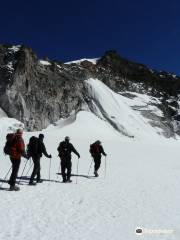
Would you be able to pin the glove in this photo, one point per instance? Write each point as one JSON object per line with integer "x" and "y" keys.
{"x": 78, "y": 156}
{"x": 26, "y": 156}
{"x": 50, "y": 156}
{"x": 105, "y": 154}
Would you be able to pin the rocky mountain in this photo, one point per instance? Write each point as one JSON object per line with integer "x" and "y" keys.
{"x": 40, "y": 92}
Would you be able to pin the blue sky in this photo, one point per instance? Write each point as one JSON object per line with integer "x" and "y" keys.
{"x": 143, "y": 31}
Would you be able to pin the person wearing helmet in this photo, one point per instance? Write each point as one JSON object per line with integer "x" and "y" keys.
{"x": 96, "y": 150}
{"x": 65, "y": 148}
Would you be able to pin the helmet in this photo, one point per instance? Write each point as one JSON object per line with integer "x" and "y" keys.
{"x": 67, "y": 138}
{"x": 98, "y": 142}
{"x": 41, "y": 135}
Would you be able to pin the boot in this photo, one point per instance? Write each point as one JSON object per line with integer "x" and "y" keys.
{"x": 14, "y": 188}
{"x": 96, "y": 174}
{"x": 39, "y": 181}
{"x": 69, "y": 181}
{"x": 32, "y": 183}
{"x": 64, "y": 179}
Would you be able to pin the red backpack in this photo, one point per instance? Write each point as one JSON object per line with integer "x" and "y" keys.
{"x": 10, "y": 139}
{"x": 94, "y": 149}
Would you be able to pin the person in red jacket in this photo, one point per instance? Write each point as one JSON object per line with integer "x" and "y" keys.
{"x": 17, "y": 150}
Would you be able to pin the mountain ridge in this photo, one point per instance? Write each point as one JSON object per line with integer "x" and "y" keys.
{"x": 40, "y": 92}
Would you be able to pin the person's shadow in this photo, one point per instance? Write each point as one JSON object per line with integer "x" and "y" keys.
{"x": 80, "y": 175}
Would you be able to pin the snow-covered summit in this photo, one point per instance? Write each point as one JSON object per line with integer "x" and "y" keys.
{"x": 92, "y": 60}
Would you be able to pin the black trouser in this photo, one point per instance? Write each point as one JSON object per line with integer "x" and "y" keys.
{"x": 97, "y": 162}
{"x": 36, "y": 169}
{"x": 66, "y": 164}
{"x": 15, "y": 169}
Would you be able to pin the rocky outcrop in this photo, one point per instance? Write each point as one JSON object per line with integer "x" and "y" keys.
{"x": 35, "y": 93}
{"x": 41, "y": 92}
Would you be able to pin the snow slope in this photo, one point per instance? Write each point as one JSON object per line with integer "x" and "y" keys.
{"x": 140, "y": 187}
{"x": 117, "y": 110}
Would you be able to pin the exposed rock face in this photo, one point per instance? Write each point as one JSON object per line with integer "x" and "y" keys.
{"x": 35, "y": 93}
{"x": 41, "y": 92}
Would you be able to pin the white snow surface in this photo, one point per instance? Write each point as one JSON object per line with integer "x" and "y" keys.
{"x": 10, "y": 66}
{"x": 2, "y": 113}
{"x": 139, "y": 190}
{"x": 92, "y": 60}
{"x": 43, "y": 62}
{"x": 14, "y": 48}
{"x": 144, "y": 101}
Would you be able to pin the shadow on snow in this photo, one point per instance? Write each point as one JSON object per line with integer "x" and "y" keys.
{"x": 25, "y": 179}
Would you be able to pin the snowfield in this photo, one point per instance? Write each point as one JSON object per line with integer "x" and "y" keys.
{"x": 139, "y": 189}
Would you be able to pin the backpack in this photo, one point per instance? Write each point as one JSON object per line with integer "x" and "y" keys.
{"x": 64, "y": 149}
{"x": 92, "y": 149}
{"x": 33, "y": 146}
{"x": 10, "y": 141}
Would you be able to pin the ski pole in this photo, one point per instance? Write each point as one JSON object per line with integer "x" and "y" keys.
{"x": 90, "y": 167}
{"x": 23, "y": 172}
{"x": 50, "y": 170}
{"x": 105, "y": 169}
{"x": 29, "y": 169}
{"x": 6, "y": 176}
{"x": 59, "y": 168}
{"x": 30, "y": 162}
{"x": 77, "y": 170}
